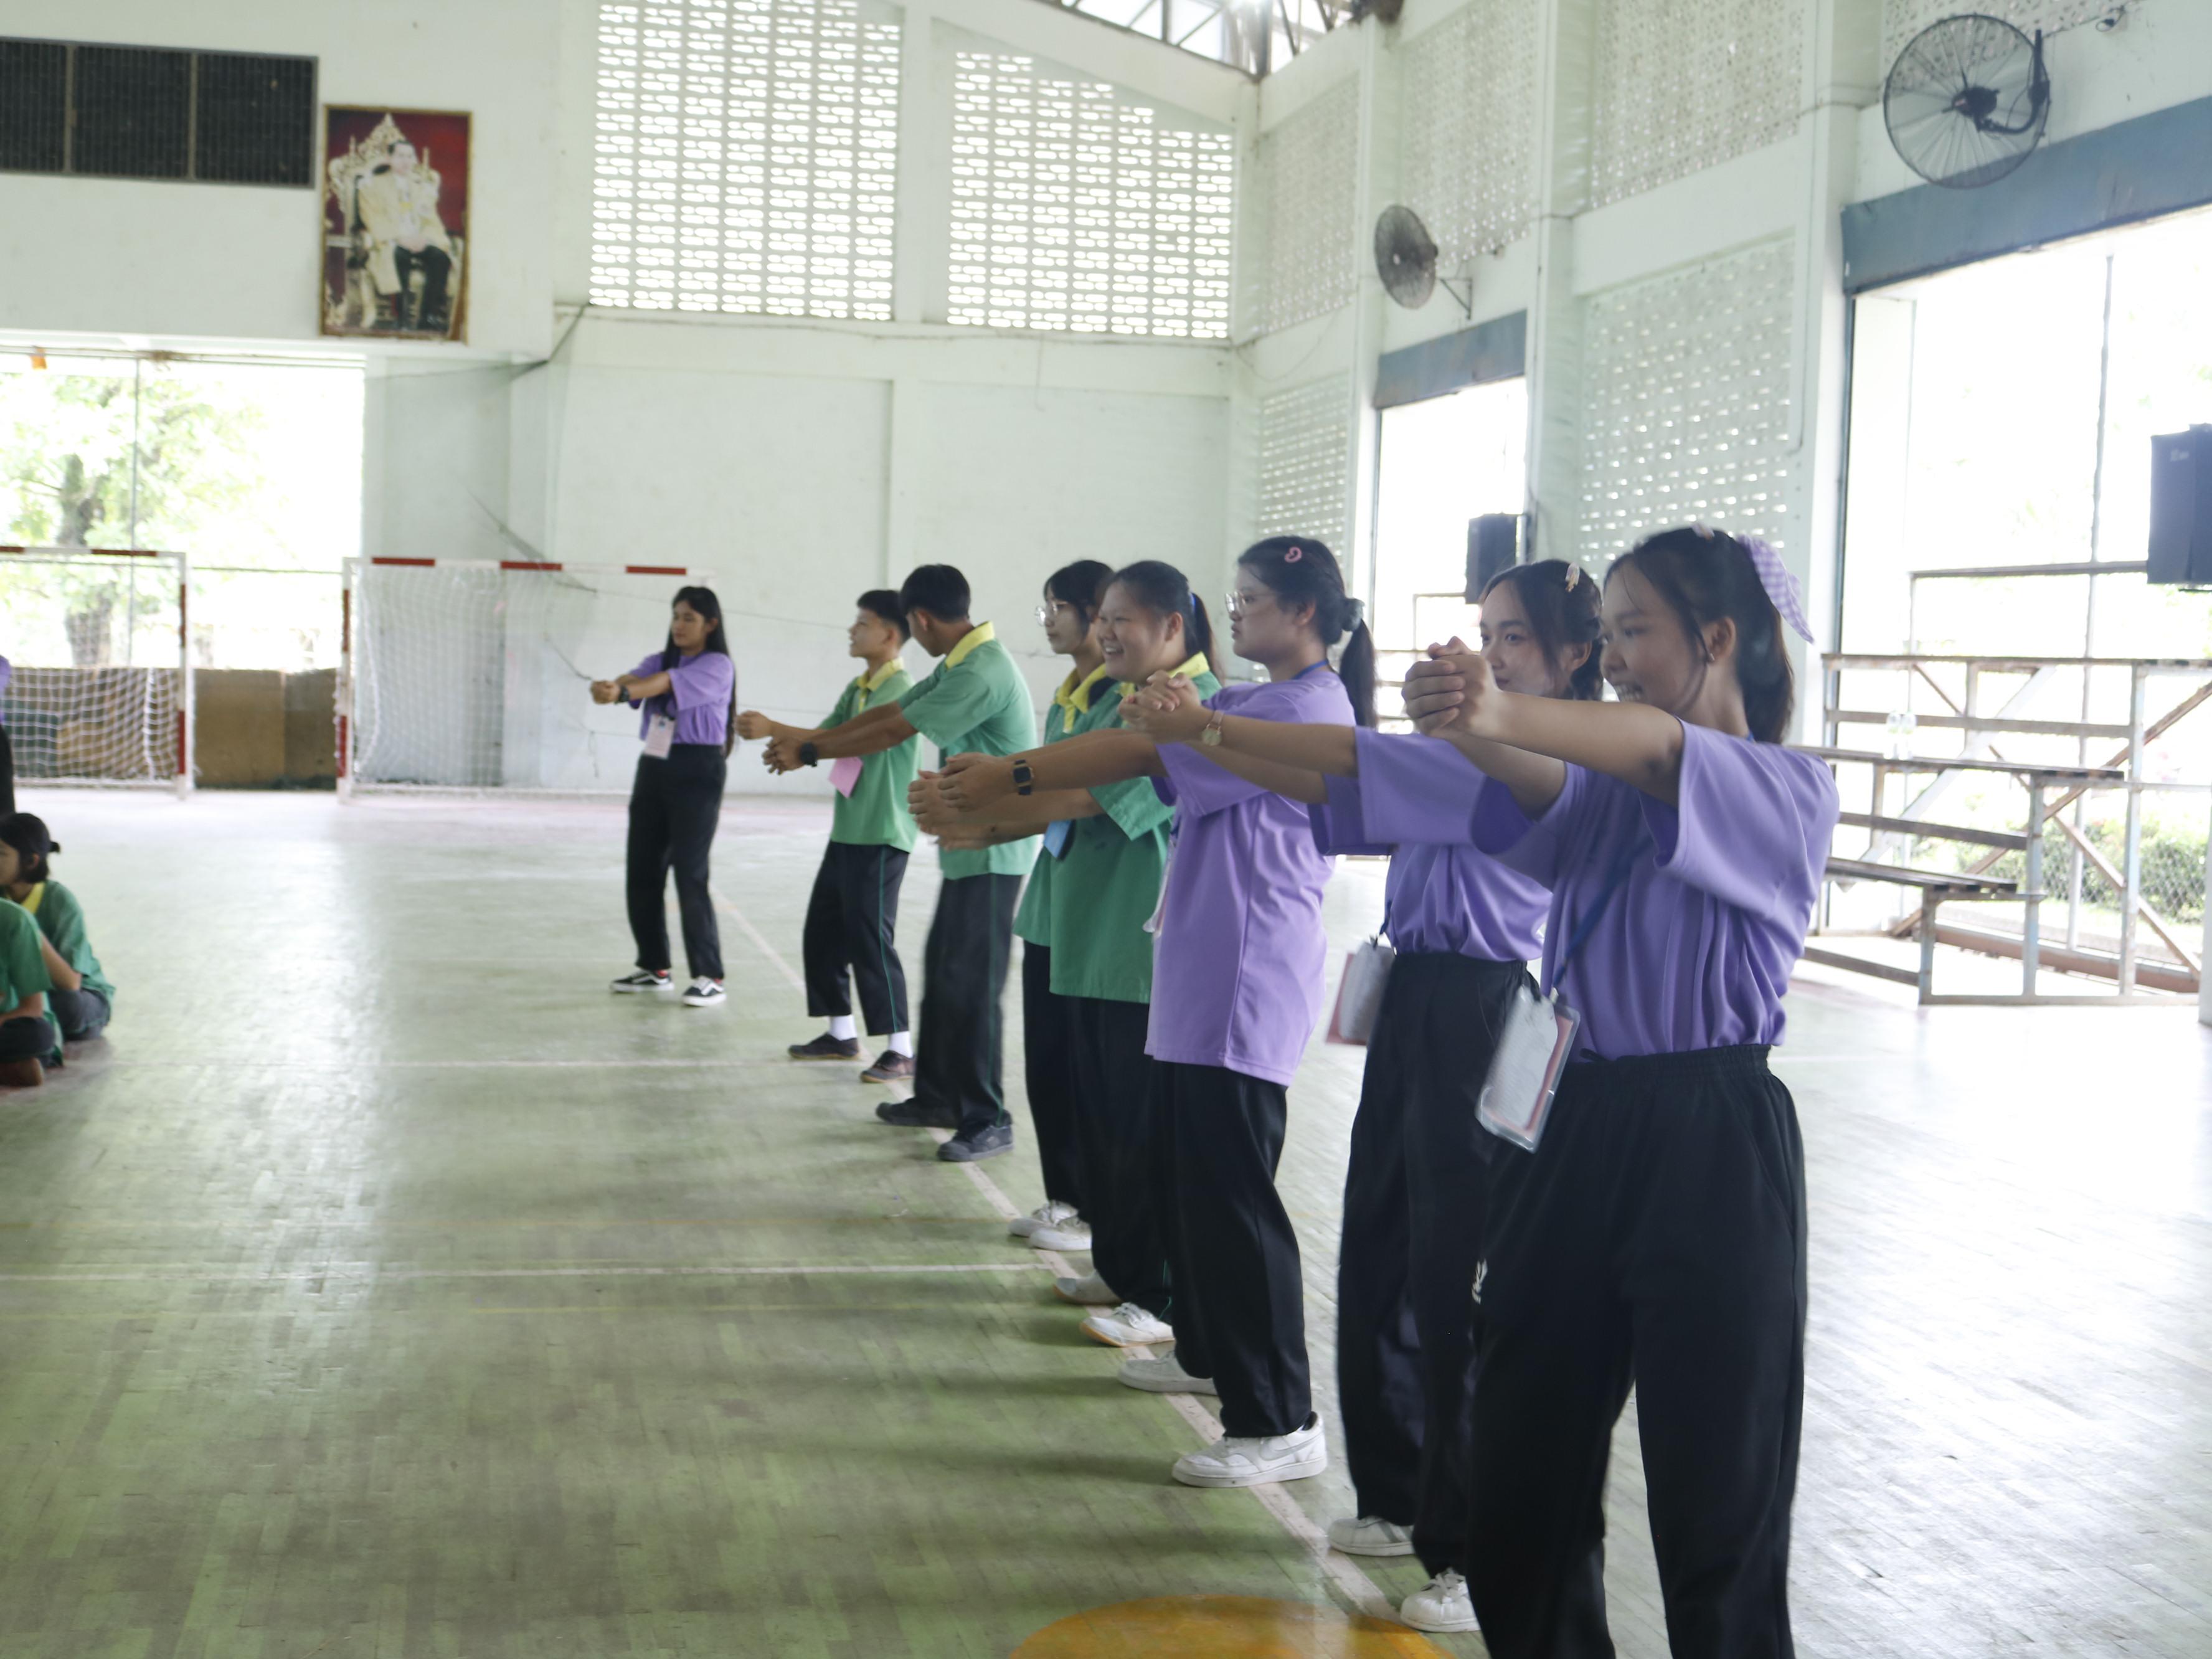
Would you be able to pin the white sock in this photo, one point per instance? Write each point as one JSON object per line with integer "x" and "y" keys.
{"x": 902, "y": 1042}
{"x": 840, "y": 1027}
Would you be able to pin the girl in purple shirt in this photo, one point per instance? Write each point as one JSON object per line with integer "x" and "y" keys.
{"x": 687, "y": 695}
{"x": 1465, "y": 927}
{"x": 1237, "y": 984}
{"x": 1657, "y": 1235}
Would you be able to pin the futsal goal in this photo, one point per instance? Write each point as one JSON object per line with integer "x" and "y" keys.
{"x": 101, "y": 690}
{"x": 474, "y": 674}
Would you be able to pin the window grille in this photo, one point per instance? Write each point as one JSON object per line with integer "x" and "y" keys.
{"x": 1307, "y": 193}
{"x": 1468, "y": 127}
{"x": 747, "y": 157}
{"x": 1305, "y": 443}
{"x": 1683, "y": 85}
{"x": 1075, "y": 207}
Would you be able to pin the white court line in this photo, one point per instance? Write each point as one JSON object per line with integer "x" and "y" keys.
{"x": 369, "y": 1270}
{"x": 1342, "y": 1570}
{"x": 445, "y": 1065}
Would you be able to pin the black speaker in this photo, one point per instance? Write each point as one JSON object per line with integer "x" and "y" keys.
{"x": 1493, "y": 544}
{"x": 2181, "y": 508}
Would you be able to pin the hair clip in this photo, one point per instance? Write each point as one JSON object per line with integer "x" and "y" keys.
{"x": 1703, "y": 530}
{"x": 1574, "y": 575}
{"x": 1294, "y": 556}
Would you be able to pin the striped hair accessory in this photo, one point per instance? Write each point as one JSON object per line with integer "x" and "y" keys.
{"x": 1781, "y": 586}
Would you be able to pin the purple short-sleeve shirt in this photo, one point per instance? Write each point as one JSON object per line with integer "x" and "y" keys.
{"x": 1695, "y": 949}
{"x": 701, "y": 685}
{"x": 1237, "y": 965}
{"x": 1414, "y": 799}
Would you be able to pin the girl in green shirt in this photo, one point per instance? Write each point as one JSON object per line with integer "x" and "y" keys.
{"x": 79, "y": 998}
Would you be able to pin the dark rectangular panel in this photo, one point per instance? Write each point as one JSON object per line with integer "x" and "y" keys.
{"x": 133, "y": 113}
{"x": 1495, "y": 350}
{"x": 2156, "y": 164}
{"x": 255, "y": 122}
{"x": 34, "y": 106}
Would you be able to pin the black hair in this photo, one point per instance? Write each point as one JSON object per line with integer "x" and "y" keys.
{"x": 1082, "y": 585}
{"x": 1703, "y": 576}
{"x": 1299, "y": 570}
{"x": 28, "y": 835}
{"x": 939, "y": 589}
{"x": 1166, "y": 591}
{"x": 702, "y": 600}
{"x": 884, "y": 603}
{"x": 1562, "y": 604}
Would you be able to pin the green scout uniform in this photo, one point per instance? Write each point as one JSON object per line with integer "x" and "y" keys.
{"x": 1111, "y": 884}
{"x": 975, "y": 702}
{"x": 23, "y": 967}
{"x": 1033, "y": 922}
{"x": 875, "y": 814}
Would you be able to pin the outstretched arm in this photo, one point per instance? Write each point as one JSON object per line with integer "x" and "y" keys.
{"x": 1527, "y": 743}
{"x": 972, "y": 783}
{"x": 1017, "y": 817}
{"x": 1283, "y": 758}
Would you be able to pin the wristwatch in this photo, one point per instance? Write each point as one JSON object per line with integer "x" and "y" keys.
{"x": 1025, "y": 780}
{"x": 1211, "y": 735}
{"x": 808, "y": 754}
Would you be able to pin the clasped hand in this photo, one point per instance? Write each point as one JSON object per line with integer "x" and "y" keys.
{"x": 1452, "y": 690}
{"x": 1166, "y": 708}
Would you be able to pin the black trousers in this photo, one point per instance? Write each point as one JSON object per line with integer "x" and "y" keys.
{"x": 7, "y": 774}
{"x": 675, "y": 807}
{"x": 1239, "y": 1307}
{"x": 437, "y": 268}
{"x": 1114, "y": 1115}
{"x": 960, "y": 1049}
{"x": 1048, "y": 1066}
{"x": 25, "y": 1039}
{"x": 83, "y": 1014}
{"x": 1414, "y": 1195}
{"x": 851, "y": 921}
{"x": 1657, "y": 1236}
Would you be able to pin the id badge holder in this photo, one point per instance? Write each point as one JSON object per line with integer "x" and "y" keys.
{"x": 1532, "y": 1055}
{"x": 660, "y": 736}
{"x": 1057, "y": 835}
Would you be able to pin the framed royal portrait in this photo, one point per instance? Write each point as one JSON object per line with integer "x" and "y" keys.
{"x": 395, "y": 260}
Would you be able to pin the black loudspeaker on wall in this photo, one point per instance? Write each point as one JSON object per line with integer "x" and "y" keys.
{"x": 1493, "y": 544}
{"x": 2181, "y": 508}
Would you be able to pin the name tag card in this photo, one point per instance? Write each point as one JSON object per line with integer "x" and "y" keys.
{"x": 660, "y": 736}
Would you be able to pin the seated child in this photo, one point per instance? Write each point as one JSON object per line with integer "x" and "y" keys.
{"x": 81, "y": 999}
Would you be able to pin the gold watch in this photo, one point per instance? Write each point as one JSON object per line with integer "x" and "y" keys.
{"x": 1211, "y": 735}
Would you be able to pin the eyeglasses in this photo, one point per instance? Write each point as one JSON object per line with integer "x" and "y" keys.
{"x": 1046, "y": 612}
{"x": 1238, "y": 604}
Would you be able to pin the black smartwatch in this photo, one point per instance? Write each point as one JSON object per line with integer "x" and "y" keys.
{"x": 808, "y": 754}
{"x": 1025, "y": 780}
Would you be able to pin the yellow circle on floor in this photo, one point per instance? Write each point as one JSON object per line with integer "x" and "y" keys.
{"x": 1224, "y": 1627}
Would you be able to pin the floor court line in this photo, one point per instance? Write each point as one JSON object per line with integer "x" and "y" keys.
{"x": 1342, "y": 1570}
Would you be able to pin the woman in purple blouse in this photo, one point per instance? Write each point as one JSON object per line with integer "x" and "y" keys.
{"x": 687, "y": 697}
{"x": 1239, "y": 950}
{"x": 1464, "y": 927}
{"x": 1657, "y": 1235}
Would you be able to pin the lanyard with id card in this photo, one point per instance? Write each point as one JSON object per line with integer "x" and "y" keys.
{"x": 659, "y": 735}
{"x": 1537, "y": 1037}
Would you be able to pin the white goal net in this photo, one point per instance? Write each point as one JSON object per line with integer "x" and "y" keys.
{"x": 468, "y": 674}
{"x": 101, "y": 686}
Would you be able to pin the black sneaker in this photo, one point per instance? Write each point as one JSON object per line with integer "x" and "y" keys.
{"x": 914, "y": 1114}
{"x": 644, "y": 980}
{"x": 995, "y": 1141}
{"x": 826, "y": 1047}
{"x": 890, "y": 1067}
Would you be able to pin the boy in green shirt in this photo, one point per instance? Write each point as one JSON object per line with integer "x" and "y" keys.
{"x": 853, "y": 916}
{"x": 974, "y": 700}
{"x": 79, "y": 998}
{"x": 27, "y": 1036}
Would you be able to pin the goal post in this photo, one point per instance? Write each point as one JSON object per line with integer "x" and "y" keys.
{"x": 99, "y": 641}
{"x": 473, "y": 674}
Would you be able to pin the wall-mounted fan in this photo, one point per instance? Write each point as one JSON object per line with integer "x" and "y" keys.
{"x": 1406, "y": 260}
{"x": 1967, "y": 100}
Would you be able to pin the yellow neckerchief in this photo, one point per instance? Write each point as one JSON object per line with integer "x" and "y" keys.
{"x": 1074, "y": 697}
{"x": 31, "y": 899}
{"x": 973, "y": 640}
{"x": 869, "y": 684}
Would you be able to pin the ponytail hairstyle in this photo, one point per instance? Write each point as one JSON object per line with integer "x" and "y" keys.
{"x": 1165, "y": 592}
{"x": 702, "y": 600}
{"x": 1703, "y": 576}
{"x": 33, "y": 843}
{"x": 1561, "y": 604}
{"x": 1299, "y": 570}
{"x": 1082, "y": 585}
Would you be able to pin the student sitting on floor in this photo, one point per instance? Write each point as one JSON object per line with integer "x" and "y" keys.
{"x": 27, "y": 1037}
{"x": 81, "y": 999}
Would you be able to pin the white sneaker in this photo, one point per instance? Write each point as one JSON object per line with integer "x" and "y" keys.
{"x": 1071, "y": 1234}
{"x": 1161, "y": 1376}
{"x": 1444, "y": 1605}
{"x": 1049, "y": 1214}
{"x": 1369, "y": 1535}
{"x": 1088, "y": 1291}
{"x": 704, "y": 994}
{"x": 644, "y": 980}
{"x": 1128, "y": 1326}
{"x": 1259, "y": 1460}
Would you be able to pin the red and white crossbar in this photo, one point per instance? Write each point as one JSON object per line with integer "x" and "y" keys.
{"x": 390, "y": 560}
{"x": 93, "y": 552}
